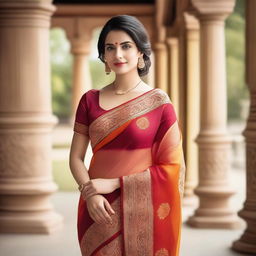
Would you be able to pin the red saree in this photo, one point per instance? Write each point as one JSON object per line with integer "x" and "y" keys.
{"x": 139, "y": 142}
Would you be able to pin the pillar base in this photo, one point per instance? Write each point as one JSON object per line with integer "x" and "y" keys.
{"x": 190, "y": 201}
{"x": 215, "y": 222}
{"x": 244, "y": 246}
{"x": 41, "y": 222}
{"x": 25, "y": 206}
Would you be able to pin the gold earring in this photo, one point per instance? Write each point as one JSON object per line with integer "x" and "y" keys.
{"x": 107, "y": 69}
{"x": 141, "y": 63}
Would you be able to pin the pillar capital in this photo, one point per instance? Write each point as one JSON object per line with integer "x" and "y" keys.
{"x": 22, "y": 13}
{"x": 80, "y": 45}
{"x": 159, "y": 46}
{"x": 213, "y": 9}
{"x": 191, "y": 22}
{"x": 170, "y": 41}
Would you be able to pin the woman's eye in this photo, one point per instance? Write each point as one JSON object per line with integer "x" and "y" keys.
{"x": 126, "y": 46}
{"x": 109, "y": 48}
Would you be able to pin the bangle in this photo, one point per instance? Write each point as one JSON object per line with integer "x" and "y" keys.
{"x": 80, "y": 187}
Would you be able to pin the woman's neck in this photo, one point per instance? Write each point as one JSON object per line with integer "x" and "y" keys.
{"x": 126, "y": 81}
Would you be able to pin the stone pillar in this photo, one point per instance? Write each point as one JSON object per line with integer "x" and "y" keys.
{"x": 160, "y": 61}
{"x": 80, "y": 48}
{"x": 247, "y": 242}
{"x": 150, "y": 77}
{"x": 173, "y": 71}
{"x": 213, "y": 190}
{"x": 26, "y": 119}
{"x": 192, "y": 106}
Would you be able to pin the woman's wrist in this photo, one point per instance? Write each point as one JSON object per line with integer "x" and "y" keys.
{"x": 82, "y": 185}
{"x": 116, "y": 183}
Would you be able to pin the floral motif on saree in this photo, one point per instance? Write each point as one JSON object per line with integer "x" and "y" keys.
{"x": 163, "y": 210}
{"x": 139, "y": 142}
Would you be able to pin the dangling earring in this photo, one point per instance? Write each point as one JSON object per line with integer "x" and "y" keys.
{"x": 141, "y": 63}
{"x": 107, "y": 68}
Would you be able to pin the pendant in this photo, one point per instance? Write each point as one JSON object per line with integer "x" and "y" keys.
{"x": 119, "y": 92}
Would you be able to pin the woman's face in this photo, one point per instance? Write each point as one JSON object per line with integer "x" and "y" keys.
{"x": 121, "y": 52}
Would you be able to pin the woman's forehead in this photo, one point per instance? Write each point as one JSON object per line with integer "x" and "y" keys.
{"x": 117, "y": 37}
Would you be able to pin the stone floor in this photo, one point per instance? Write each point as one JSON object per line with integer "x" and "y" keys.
{"x": 195, "y": 242}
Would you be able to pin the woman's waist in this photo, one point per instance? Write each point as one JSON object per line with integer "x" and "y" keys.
{"x": 116, "y": 164}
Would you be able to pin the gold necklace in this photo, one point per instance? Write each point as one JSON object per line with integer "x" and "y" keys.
{"x": 119, "y": 92}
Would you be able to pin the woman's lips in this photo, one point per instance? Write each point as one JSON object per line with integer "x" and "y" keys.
{"x": 119, "y": 64}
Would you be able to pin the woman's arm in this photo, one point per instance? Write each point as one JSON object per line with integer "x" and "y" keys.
{"x": 98, "y": 207}
{"x": 78, "y": 150}
{"x": 79, "y": 171}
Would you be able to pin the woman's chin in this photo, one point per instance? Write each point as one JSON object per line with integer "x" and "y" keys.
{"x": 123, "y": 71}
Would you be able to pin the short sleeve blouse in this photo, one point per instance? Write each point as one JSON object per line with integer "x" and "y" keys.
{"x": 81, "y": 124}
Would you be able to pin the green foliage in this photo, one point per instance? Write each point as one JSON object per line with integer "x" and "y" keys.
{"x": 63, "y": 176}
{"x": 99, "y": 77}
{"x": 235, "y": 51}
{"x": 61, "y": 67}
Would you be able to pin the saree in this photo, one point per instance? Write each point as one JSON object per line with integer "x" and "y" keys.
{"x": 140, "y": 143}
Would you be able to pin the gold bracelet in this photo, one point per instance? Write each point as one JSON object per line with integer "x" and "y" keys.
{"x": 80, "y": 187}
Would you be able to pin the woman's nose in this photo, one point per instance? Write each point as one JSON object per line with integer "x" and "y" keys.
{"x": 119, "y": 53}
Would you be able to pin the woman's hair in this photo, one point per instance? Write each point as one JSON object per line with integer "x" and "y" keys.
{"x": 134, "y": 28}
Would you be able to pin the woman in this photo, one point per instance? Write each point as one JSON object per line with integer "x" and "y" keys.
{"x": 130, "y": 202}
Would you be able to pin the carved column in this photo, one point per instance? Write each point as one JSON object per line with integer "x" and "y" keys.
{"x": 150, "y": 77}
{"x": 173, "y": 71}
{"x": 80, "y": 48}
{"x": 247, "y": 242}
{"x": 214, "y": 143}
{"x": 160, "y": 62}
{"x": 192, "y": 106}
{"x": 26, "y": 119}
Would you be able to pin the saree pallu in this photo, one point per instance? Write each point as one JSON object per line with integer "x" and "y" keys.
{"x": 139, "y": 142}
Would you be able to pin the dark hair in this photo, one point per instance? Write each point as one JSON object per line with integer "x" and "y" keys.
{"x": 134, "y": 28}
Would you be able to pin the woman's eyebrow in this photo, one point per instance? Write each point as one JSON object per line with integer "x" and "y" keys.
{"x": 120, "y": 43}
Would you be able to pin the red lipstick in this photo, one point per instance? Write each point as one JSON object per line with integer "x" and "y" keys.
{"x": 119, "y": 64}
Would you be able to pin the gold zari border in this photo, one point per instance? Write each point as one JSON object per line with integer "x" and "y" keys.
{"x": 81, "y": 128}
{"x": 113, "y": 119}
{"x": 138, "y": 214}
{"x": 99, "y": 233}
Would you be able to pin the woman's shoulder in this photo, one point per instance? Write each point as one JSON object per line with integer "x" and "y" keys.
{"x": 162, "y": 95}
{"x": 90, "y": 93}
{"x": 157, "y": 91}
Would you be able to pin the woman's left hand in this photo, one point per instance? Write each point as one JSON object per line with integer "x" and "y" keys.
{"x": 99, "y": 186}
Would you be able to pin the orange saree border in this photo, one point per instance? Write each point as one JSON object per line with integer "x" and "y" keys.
{"x": 111, "y": 136}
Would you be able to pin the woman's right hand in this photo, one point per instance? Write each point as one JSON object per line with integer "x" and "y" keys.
{"x": 99, "y": 209}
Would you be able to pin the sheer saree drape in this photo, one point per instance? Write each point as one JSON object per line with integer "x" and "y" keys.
{"x": 139, "y": 142}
